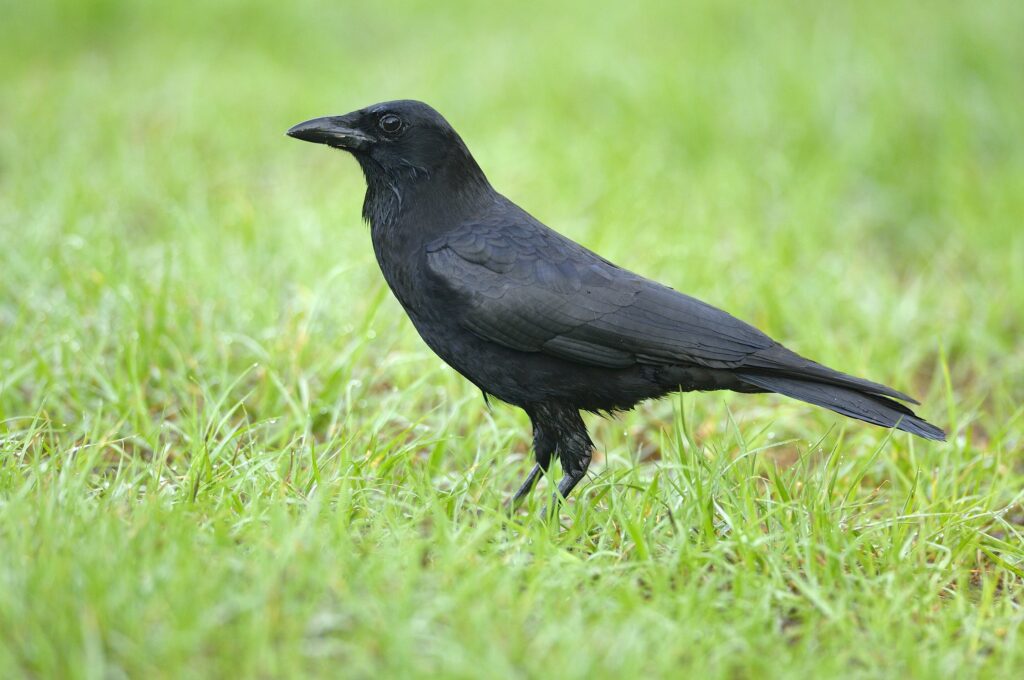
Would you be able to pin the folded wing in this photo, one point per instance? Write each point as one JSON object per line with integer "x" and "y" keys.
{"x": 527, "y": 287}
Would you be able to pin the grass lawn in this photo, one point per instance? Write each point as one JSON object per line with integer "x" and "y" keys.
{"x": 224, "y": 451}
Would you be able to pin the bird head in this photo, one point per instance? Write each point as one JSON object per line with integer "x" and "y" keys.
{"x": 402, "y": 140}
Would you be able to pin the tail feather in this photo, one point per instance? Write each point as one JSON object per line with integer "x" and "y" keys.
{"x": 779, "y": 360}
{"x": 847, "y": 401}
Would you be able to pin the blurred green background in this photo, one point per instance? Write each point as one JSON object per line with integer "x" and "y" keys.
{"x": 223, "y": 448}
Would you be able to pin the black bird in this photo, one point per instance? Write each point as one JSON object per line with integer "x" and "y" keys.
{"x": 539, "y": 321}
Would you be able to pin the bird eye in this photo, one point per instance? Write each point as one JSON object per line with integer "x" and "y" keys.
{"x": 390, "y": 123}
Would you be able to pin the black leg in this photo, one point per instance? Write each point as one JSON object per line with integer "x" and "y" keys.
{"x": 573, "y": 476}
{"x": 574, "y": 473}
{"x": 528, "y": 485}
{"x": 543, "y": 448}
{"x": 574, "y": 448}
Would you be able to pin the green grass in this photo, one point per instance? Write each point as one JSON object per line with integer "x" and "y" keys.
{"x": 223, "y": 449}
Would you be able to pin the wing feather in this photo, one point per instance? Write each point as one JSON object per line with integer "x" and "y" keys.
{"x": 529, "y": 288}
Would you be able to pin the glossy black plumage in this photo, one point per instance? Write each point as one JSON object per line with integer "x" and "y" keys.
{"x": 541, "y": 322}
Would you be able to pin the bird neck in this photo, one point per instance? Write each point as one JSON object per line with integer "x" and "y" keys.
{"x": 452, "y": 189}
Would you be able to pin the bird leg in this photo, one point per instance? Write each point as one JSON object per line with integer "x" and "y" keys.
{"x": 575, "y": 472}
{"x": 574, "y": 449}
{"x": 543, "y": 448}
{"x": 528, "y": 485}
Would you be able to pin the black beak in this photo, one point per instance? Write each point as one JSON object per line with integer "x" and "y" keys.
{"x": 332, "y": 131}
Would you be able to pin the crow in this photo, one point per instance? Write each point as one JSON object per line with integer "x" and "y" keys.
{"x": 537, "y": 320}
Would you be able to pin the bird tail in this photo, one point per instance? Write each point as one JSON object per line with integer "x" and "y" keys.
{"x": 848, "y": 401}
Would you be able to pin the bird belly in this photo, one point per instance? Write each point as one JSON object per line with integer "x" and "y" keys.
{"x": 522, "y": 378}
